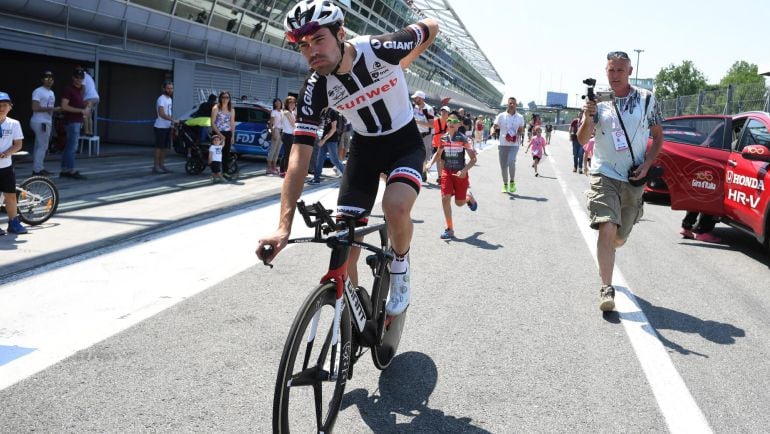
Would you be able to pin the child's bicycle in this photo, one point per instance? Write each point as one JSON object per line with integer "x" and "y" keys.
{"x": 37, "y": 199}
{"x": 333, "y": 328}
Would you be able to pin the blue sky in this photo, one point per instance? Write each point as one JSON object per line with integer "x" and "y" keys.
{"x": 538, "y": 46}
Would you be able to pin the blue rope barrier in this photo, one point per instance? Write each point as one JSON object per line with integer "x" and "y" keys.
{"x": 126, "y": 121}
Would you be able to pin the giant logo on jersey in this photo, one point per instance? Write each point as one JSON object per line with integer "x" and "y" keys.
{"x": 368, "y": 95}
{"x": 307, "y": 97}
{"x": 392, "y": 45}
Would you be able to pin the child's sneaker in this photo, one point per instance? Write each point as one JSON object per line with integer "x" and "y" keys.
{"x": 2, "y": 232}
{"x": 15, "y": 227}
{"x": 472, "y": 203}
{"x": 511, "y": 187}
{"x": 505, "y": 188}
{"x": 448, "y": 234}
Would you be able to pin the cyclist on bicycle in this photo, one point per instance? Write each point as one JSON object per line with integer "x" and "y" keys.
{"x": 363, "y": 79}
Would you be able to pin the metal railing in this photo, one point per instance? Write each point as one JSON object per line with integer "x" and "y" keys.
{"x": 728, "y": 100}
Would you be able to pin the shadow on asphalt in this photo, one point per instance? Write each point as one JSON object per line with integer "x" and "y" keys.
{"x": 733, "y": 239}
{"x": 405, "y": 389}
{"x": 536, "y": 199}
{"x": 475, "y": 241}
{"x": 121, "y": 220}
{"x": 662, "y": 318}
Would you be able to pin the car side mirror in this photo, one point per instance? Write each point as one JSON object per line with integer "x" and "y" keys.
{"x": 756, "y": 153}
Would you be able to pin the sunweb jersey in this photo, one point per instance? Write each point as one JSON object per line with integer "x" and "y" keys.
{"x": 373, "y": 96}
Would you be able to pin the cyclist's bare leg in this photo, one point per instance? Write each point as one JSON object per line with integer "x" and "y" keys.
{"x": 397, "y": 203}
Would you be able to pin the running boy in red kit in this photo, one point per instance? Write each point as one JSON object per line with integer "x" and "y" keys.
{"x": 454, "y": 174}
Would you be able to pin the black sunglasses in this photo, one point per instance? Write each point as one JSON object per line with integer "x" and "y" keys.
{"x": 618, "y": 55}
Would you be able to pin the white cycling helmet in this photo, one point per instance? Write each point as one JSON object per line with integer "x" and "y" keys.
{"x": 308, "y": 16}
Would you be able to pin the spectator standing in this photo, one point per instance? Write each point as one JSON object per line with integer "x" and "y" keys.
{"x": 276, "y": 123}
{"x": 623, "y": 127}
{"x": 577, "y": 149}
{"x": 43, "y": 106}
{"x": 347, "y": 135}
{"x": 511, "y": 125}
{"x": 478, "y": 130}
{"x": 91, "y": 97}
{"x": 287, "y": 132}
{"x": 537, "y": 143}
{"x": 548, "y": 131}
{"x": 455, "y": 180}
{"x": 11, "y": 138}
{"x": 163, "y": 124}
{"x": 215, "y": 158}
{"x": 697, "y": 225}
{"x": 328, "y": 144}
{"x": 223, "y": 124}
{"x": 423, "y": 115}
{"x": 75, "y": 110}
{"x": 439, "y": 129}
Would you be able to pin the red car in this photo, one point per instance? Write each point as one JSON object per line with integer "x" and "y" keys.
{"x": 718, "y": 165}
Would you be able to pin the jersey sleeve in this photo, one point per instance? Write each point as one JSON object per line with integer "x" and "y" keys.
{"x": 393, "y": 47}
{"x": 311, "y": 101}
{"x": 16, "y": 131}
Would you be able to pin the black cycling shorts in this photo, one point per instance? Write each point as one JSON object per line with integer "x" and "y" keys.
{"x": 400, "y": 155}
{"x": 7, "y": 180}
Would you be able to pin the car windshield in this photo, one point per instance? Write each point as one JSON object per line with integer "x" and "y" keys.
{"x": 707, "y": 132}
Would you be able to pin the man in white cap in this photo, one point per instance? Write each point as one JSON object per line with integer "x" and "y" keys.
{"x": 423, "y": 115}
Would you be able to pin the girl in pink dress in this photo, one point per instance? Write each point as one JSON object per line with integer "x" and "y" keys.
{"x": 588, "y": 153}
{"x": 537, "y": 143}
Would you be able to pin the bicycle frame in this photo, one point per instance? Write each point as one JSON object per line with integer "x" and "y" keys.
{"x": 340, "y": 243}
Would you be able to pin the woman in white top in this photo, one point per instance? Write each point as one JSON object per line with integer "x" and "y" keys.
{"x": 287, "y": 131}
{"x": 275, "y": 125}
{"x": 223, "y": 124}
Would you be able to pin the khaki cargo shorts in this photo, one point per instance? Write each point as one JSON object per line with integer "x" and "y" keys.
{"x": 610, "y": 200}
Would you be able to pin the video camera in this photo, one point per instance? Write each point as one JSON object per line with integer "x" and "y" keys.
{"x": 599, "y": 96}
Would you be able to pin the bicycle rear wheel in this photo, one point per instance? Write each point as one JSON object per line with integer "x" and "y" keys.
{"x": 313, "y": 369}
{"x": 37, "y": 201}
{"x": 391, "y": 326}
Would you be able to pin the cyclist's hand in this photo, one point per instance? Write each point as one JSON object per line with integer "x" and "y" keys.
{"x": 269, "y": 246}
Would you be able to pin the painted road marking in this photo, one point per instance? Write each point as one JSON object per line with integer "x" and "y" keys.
{"x": 674, "y": 399}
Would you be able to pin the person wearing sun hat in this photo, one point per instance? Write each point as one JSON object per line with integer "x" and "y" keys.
{"x": 10, "y": 143}
{"x": 439, "y": 129}
{"x": 423, "y": 115}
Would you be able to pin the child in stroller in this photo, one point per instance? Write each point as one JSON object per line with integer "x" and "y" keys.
{"x": 188, "y": 141}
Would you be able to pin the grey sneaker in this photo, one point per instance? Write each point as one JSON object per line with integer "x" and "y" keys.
{"x": 400, "y": 293}
{"x": 607, "y": 298}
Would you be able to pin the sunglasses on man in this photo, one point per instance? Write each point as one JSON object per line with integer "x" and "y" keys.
{"x": 453, "y": 121}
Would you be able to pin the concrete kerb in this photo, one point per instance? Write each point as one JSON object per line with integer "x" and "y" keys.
{"x": 25, "y": 267}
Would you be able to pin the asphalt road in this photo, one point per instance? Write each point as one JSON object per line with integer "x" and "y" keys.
{"x": 503, "y": 333}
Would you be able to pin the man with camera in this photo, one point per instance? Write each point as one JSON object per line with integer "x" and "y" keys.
{"x": 620, "y": 162}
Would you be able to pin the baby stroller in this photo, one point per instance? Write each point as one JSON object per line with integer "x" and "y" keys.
{"x": 189, "y": 143}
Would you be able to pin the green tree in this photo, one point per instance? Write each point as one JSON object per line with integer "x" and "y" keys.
{"x": 748, "y": 87}
{"x": 742, "y": 72}
{"x": 673, "y": 80}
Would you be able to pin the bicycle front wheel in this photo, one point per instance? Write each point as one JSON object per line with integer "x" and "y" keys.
{"x": 37, "y": 200}
{"x": 314, "y": 366}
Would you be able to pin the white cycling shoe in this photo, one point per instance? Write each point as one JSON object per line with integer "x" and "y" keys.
{"x": 400, "y": 293}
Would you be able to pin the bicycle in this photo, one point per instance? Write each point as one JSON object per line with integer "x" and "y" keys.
{"x": 37, "y": 199}
{"x": 339, "y": 321}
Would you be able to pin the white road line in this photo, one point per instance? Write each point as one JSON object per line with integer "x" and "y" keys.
{"x": 677, "y": 405}
{"x": 53, "y": 314}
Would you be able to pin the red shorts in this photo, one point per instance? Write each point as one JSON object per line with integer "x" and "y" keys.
{"x": 453, "y": 185}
